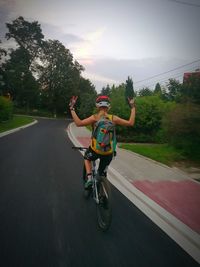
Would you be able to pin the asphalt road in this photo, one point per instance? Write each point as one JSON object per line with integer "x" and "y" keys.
{"x": 45, "y": 221}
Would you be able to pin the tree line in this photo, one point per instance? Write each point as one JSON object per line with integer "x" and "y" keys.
{"x": 41, "y": 75}
{"x": 167, "y": 114}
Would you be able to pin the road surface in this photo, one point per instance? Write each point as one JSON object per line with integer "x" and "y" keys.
{"x": 45, "y": 221}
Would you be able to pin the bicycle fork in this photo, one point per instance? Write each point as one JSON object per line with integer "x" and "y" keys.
{"x": 95, "y": 189}
{"x": 95, "y": 192}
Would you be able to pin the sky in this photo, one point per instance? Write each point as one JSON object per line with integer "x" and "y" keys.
{"x": 147, "y": 40}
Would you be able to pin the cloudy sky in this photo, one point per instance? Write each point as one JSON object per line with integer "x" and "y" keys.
{"x": 148, "y": 40}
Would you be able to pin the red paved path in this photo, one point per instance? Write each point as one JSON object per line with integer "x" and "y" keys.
{"x": 180, "y": 198}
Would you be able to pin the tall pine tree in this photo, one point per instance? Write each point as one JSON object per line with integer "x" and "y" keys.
{"x": 129, "y": 91}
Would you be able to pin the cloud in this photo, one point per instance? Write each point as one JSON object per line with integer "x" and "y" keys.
{"x": 5, "y": 12}
{"x": 52, "y": 31}
{"x": 72, "y": 38}
{"x": 99, "y": 78}
{"x": 7, "y": 4}
{"x": 96, "y": 35}
{"x": 113, "y": 71}
{"x": 84, "y": 50}
{"x": 99, "y": 81}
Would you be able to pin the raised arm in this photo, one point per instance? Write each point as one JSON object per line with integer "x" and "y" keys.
{"x": 119, "y": 121}
{"x": 88, "y": 121}
{"x": 77, "y": 120}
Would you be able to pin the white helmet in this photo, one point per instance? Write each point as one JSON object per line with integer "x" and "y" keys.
{"x": 103, "y": 101}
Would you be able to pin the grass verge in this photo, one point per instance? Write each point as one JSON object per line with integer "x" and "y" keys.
{"x": 160, "y": 152}
{"x": 15, "y": 122}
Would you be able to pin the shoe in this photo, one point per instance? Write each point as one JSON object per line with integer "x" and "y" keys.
{"x": 88, "y": 183}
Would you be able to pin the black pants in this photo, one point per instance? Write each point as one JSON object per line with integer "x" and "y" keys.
{"x": 104, "y": 160}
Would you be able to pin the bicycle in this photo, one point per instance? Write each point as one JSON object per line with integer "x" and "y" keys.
{"x": 100, "y": 193}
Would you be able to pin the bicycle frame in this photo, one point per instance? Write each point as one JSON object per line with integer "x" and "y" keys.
{"x": 100, "y": 192}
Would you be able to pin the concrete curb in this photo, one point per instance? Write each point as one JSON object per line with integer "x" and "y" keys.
{"x": 18, "y": 129}
{"x": 178, "y": 231}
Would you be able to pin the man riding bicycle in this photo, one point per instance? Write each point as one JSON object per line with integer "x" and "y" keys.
{"x": 103, "y": 106}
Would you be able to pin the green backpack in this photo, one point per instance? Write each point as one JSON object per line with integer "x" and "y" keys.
{"x": 104, "y": 136}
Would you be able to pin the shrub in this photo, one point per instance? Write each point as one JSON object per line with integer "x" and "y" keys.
{"x": 6, "y": 109}
{"x": 183, "y": 129}
{"x": 33, "y": 112}
{"x": 148, "y": 123}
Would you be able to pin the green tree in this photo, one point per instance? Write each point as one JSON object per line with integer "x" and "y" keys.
{"x": 190, "y": 91}
{"x": 106, "y": 90}
{"x": 87, "y": 96}
{"x": 129, "y": 91}
{"x": 59, "y": 76}
{"x": 19, "y": 68}
{"x": 149, "y": 115}
{"x": 157, "y": 90}
{"x": 183, "y": 128}
{"x": 173, "y": 90}
{"x": 119, "y": 105}
{"x": 20, "y": 82}
{"x": 6, "y": 109}
{"x": 145, "y": 92}
{"x": 120, "y": 108}
{"x": 28, "y": 35}
{"x": 3, "y": 53}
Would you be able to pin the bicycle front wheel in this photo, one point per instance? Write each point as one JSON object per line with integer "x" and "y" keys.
{"x": 104, "y": 209}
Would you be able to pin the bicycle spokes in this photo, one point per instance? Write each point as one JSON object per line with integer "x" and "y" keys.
{"x": 104, "y": 214}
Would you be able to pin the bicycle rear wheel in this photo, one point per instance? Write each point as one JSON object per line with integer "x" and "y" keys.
{"x": 104, "y": 209}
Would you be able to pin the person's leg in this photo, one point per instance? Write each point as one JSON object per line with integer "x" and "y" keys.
{"x": 104, "y": 163}
{"x": 88, "y": 166}
{"x": 88, "y": 157}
